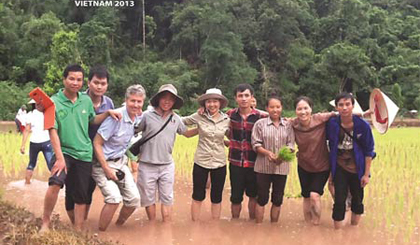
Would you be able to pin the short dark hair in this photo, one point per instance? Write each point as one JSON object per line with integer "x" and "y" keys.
{"x": 99, "y": 71}
{"x": 306, "y": 99}
{"x": 242, "y": 87}
{"x": 273, "y": 97}
{"x": 344, "y": 95}
{"x": 73, "y": 68}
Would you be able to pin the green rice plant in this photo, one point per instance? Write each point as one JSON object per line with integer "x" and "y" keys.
{"x": 285, "y": 154}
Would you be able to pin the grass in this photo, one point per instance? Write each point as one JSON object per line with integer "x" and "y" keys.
{"x": 391, "y": 198}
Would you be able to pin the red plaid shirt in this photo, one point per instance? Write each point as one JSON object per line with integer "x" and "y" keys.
{"x": 240, "y": 130}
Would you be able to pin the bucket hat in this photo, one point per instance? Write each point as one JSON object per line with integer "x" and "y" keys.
{"x": 213, "y": 93}
{"x": 179, "y": 102}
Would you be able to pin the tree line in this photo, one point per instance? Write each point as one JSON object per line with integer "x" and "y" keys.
{"x": 292, "y": 47}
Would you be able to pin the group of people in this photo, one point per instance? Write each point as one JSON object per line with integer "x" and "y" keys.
{"x": 90, "y": 140}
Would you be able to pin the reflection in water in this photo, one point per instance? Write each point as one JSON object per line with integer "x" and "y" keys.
{"x": 138, "y": 230}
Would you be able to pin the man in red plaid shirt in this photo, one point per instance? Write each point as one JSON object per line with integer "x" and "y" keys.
{"x": 241, "y": 155}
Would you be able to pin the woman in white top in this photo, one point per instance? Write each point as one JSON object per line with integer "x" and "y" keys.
{"x": 39, "y": 141}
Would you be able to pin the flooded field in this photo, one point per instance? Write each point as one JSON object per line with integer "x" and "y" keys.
{"x": 391, "y": 212}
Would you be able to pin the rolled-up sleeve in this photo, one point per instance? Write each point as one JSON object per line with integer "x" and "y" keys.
{"x": 108, "y": 128}
{"x": 256, "y": 137}
{"x": 290, "y": 137}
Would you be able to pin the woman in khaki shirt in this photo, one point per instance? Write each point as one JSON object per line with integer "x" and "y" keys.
{"x": 210, "y": 156}
{"x": 313, "y": 163}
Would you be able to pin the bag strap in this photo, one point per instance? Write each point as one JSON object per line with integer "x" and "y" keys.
{"x": 134, "y": 149}
{"x": 160, "y": 130}
{"x": 351, "y": 135}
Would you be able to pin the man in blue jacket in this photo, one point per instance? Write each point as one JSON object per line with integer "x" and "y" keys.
{"x": 351, "y": 152}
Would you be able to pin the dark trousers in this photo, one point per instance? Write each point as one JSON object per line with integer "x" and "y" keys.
{"x": 344, "y": 181}
{"x": 200, "y": 176}
{"x": 35, "y": 148}
{"x": 263, "y": 183}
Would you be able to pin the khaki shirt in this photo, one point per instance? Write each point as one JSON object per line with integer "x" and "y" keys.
{"x": 210, "y": 152}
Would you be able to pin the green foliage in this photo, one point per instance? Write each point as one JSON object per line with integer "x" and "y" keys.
{"x": 306, "y": 47}
{"x": 12, "y": 98}
{"x": 285, "y": 154}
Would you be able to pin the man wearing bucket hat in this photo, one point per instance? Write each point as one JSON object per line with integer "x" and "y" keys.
{"x": 156, "y": 170}
{"x": 210, "y": 156}
{"x": 39, "y": 140}
{"x": 351, "y": 152}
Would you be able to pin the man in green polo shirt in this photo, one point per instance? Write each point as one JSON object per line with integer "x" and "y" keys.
{"x": 72, "y": 146}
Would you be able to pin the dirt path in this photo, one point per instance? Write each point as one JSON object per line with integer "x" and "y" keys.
{"x": 137, "y": 230}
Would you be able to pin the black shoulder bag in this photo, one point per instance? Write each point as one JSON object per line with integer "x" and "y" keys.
{"x": 135, "y": 148}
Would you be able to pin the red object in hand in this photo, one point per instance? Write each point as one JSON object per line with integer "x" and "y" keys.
{"x": 42, "y": 98}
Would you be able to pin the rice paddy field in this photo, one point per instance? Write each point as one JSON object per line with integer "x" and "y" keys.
{"x": 392, "y": 197}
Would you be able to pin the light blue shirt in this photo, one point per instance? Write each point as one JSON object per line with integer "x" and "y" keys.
{"x": 117, "y": 134}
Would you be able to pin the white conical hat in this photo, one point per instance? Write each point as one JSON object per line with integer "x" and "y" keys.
{"x": 356, "y": 109}
{"x": 383, "y": 110}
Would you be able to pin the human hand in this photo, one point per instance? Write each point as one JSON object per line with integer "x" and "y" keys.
{"x": 22, "y": 149}
{"x": 272, "y": 157}
{"x": 364, "y": 181}
{"x": 59, "y": 166}
{"x": 115, "y": 114}
{"x": 110, "y": 174}
{"x": 201, "y": 110}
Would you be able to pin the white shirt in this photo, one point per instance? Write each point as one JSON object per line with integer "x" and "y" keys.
{"x": 36, "y": 120}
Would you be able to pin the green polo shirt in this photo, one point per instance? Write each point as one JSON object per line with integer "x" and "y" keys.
{"x": 72, "y": 124}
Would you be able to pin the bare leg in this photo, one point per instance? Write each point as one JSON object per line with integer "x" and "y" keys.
{"x": 259, "y": 213}
{"x": 195, "y": 210}
{"x": 79, "y": 216}
{"x": 125, "y": 212}
{"x": 275, "y": 213}
{"x": 236, "y": 210}
{"x": 49, "y": 204}
{"x": 70, "y": 213}
{"x": 216, "y": 209}
{"x": 355, "y": 218}
{"x": 166, "y": 213}
{"x": 252, "y": 203}
{"x": 87, "y": 211}
{"x": 28, "y": 176}
{"x": 315, "y": 208}
{"x": 307, "y": 209}
{"x": 107, "y": 213}
{"x": 338, "y": 225}
{"x": 151, "y": 212}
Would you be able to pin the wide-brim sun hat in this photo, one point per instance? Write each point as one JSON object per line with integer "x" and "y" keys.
{"x": 32, "y": 101}
{"x": 213, "y": 93}
{"x": 179, "y": 102}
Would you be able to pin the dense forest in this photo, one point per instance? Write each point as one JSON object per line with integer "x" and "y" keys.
{"x": 293, "y": 47}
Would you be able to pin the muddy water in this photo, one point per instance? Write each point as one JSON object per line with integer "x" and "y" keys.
{"x": 138, "y": 230}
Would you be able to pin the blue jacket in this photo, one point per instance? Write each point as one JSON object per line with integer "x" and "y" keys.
{"x": 362, "y": 147}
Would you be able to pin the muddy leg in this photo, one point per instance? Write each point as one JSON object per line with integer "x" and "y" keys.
{"x": 195, "y": 210}
{"x": 125, "y": 212}
{"x": 252, "y": 203}
{"x": 275, "y": 213}
{"x": 79, "y": 216}
{"x": 107, "y": 213}
{"x": 216, "y": 209}
{"x": 307, "y": 209}
{"x": 28, "y": 176}
{"x": 259, "y": 213}
{"x": 151, "y": 212}
{"x": 355, "y": 218}
{"x": 49, "y": 204}
{"x": 315, "y": 208}
{"x": 166, "y": 213}
{"x": 236, "y": 210}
